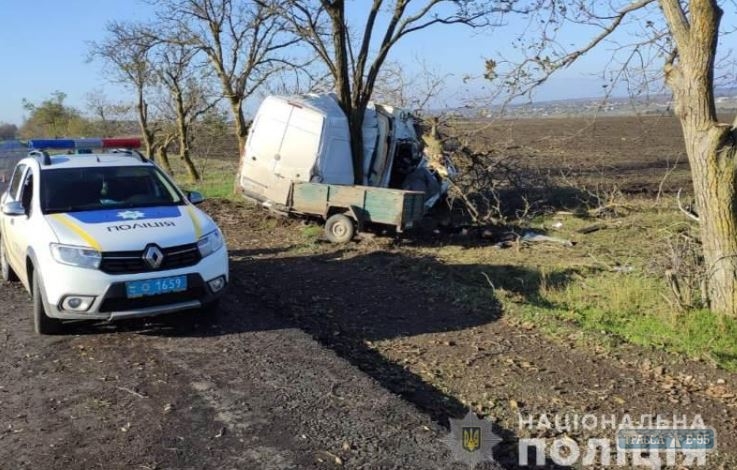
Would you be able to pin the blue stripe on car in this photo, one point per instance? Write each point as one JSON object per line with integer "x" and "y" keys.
{"x": 126, "y": 214}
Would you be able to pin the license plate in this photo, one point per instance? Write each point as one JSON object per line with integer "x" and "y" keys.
{"x": 163, "y": 285}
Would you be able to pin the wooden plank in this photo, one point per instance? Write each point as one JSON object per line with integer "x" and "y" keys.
{"x": 310, "y": 198}
{"x": 384, "y": 207}
{"x": 346, "y": 196}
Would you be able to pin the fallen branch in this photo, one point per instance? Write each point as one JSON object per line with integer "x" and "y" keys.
{"x": 591, "y": 228}
{"x": 491, "y": 284}
{"x": 688, "y": 213}
{"x": 132, "y": 392}
{"x": 469, "y": 205}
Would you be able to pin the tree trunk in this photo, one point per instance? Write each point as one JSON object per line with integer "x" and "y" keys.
{"x": 241, "y": 132}
{"x": 355, "y": 124}
{"x": 341, "y": 74}
{"x": 162, "y": 155}
{"x": 148, "y": 135}
{"x": 183, "y": 136}
{"x": 192, "y": 172}
{"x": 710, "y": 145}
{"x": 712, "y": 157}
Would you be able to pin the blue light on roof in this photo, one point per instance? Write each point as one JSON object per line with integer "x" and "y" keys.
{"x": 50, "y": 144}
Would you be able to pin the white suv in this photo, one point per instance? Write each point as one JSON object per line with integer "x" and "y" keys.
{"x": 107, "y": 236}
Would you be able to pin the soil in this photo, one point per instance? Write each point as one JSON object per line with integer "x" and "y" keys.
{"x": 632, "y": 153}
{"x": 325, "y": 356}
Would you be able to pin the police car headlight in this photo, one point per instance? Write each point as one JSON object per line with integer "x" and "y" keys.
{"x": 76, "y": 256}
{"x": 210, "y": 243}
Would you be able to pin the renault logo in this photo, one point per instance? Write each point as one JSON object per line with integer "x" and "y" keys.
{"x": 153, "y": 256}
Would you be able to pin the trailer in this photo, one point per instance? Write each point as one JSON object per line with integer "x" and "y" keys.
{"x": 298, "y": 160}
{"x": 345, "y": 209}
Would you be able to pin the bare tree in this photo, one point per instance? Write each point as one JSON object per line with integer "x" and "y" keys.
{"x": 109, "y": 117}
{"x": 8, "y": 131}
{"x": 212, "y": 136}
{"x": 355, "y": 57}
{"x": 189, "y": 92}
{"x": 685, "y": 34}
{"x": 166, "y": 136}
{"x": 415, "y": 91}
{"x": 127, "y": 49}
{"x": 242, "y": 40}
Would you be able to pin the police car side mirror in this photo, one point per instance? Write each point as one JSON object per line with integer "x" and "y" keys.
{"x": 195, "y": 197}
{"x": 13, "y": 208}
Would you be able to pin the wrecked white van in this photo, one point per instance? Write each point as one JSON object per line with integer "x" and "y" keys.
{"x": 305, "y": 139}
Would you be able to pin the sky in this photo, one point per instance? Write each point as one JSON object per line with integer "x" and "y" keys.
{"x": 44, "y": 46}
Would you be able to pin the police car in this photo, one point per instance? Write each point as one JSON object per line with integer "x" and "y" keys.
{"x": 106, "y": 236}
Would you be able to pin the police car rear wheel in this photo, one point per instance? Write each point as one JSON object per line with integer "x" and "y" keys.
{"x": 6, "y": 271}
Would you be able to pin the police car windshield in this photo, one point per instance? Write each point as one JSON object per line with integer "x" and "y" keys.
{"x": 95, "y": 188}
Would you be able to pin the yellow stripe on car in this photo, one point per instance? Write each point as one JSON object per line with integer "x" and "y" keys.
{"x": 66, "y": 221}
{"x": 195, "y": 222}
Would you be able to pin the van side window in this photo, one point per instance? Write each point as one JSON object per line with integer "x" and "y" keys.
{"x": 15, "y": 181}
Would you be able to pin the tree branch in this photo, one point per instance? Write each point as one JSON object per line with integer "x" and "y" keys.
{"x": 368, "y": 30}
{"x": 677, "y": 21}
{"x": 548, "y": 66}
{"x": 688, "y": 213}
{"x": 616, "y": 20}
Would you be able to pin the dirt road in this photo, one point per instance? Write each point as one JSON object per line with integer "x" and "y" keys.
{"x": 321, "y": 357}
{"x": 251, "y": 391}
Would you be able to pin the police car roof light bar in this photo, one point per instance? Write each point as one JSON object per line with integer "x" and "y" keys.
{"x": 124, "y": 145}
{"x": 72, "y": 144}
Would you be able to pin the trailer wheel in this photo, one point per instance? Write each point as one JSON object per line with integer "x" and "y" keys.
{"x": 339, "y": 228}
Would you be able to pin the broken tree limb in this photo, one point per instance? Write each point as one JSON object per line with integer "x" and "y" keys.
{"x": 688, "y": 212}
{"x": 591, "y": 228}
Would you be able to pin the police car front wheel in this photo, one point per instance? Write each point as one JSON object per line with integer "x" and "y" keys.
{"x": 42, "y": 323}
{"x": 6, "y": 271}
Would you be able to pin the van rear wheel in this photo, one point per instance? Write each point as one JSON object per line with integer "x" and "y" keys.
{"x": 339, "y": 228}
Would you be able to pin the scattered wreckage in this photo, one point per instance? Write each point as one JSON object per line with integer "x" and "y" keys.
{"x": 298, "y": 161}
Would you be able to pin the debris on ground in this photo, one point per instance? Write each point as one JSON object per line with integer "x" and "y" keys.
{"x": 534, "y": 237}
{"x": 623, "y": 269}
{"x": 591, "y": 228}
